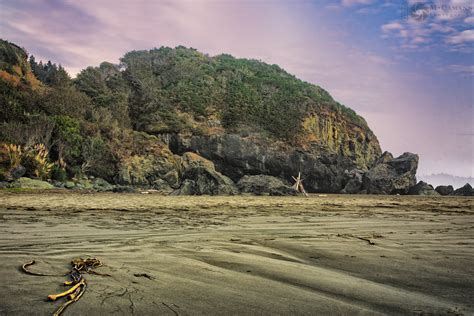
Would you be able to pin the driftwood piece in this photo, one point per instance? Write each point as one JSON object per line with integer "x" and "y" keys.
{"x": 298, "y": 186}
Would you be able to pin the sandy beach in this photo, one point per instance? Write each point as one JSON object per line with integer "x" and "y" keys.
{"x": 322, "y": 255}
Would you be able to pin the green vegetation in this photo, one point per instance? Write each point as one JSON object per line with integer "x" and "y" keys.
{"x": 168, "y": 81}
{"x": 88, "y": 124}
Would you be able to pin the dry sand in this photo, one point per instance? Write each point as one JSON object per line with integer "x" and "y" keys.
{"x": 330, "y": 255}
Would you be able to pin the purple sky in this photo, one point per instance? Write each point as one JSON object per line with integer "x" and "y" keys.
{"x": 411, "y": 78}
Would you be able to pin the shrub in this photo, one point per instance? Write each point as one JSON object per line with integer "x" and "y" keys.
{"x": 58, "y": 173}
{"x": 36, "y": 161}
{"x": 10, "y": 155}
{"x": 68, "y": 138}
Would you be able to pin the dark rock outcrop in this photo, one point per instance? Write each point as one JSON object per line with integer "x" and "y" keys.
{"x": 191, "y": 160}
{"x": 444, "y": 189}
{"x": 200, "y": 178}
{"x": 422, "y": 188}
{"x": 264, "y": 185}
{"x": 354, "y": 181}
{"x": 236, "y": 156}
{"x": 384, "y": 158}
{"x": 392, "y": 175}
{"x": 465, "y": 190}
{"x": 163, "y": 187}
{"x": 205, "y": 181}
{"x": 101, "y": 185}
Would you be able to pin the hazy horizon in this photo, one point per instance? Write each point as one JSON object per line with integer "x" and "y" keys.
{"x": 407, "y": 70}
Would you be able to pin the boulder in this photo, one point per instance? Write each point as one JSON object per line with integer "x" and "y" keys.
{"x": 162, "y": 186}
{"x": 465, "y": 190}
{"x": 171, "y": 178}
{"x": 57, "y": 184}
{"x": 264, "y": 185}
{"x": 199, "y": 177}
{"x": 199, "y": 180}
{"x": 188, "y": 187}
{"x": 85, "y": 184}
{"x": 353, "y": 181}
{"x": 391, "y": 176}
{"x": 190, "y": 160}
{"x": 444, "y": 189}
{"x": 69, "y": 185}
{"x": 4, "y": 184}
{"x": 101, "y": 185}
{"x": 27, "y": 183}
{"x": 422, "y": 188}
{"x": 13, "y": 173}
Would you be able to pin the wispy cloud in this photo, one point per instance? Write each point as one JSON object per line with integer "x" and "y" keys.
{"x": 458, "y": 69}
{"x": 348, "y": 3}
{"x": 393, "y": 26}
{"x": 461, "y": 37}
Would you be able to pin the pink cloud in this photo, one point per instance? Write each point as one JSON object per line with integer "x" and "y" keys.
{"x": 462, "y": 37}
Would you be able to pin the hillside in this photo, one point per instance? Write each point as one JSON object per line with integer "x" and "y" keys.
{"x": 183, "y": 90}
{"x": 247, "y": 116}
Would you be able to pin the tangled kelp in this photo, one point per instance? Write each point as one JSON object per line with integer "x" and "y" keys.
{"x": 78, "y": 283}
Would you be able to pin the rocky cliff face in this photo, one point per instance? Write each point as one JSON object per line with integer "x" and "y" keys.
{"x": 328, "y": 146}
{"x": 236, "y": 156}
{"x": 343, "y": 136}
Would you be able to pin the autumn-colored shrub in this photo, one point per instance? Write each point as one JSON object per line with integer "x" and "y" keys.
{"x": 37, "y": 162}
{"x": 10, "y": 155}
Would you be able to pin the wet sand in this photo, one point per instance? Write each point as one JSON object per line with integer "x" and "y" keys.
{"x": 322, "y": 255}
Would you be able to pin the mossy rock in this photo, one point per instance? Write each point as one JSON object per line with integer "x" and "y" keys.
{"x": 101, "y": 185}
{"x": 27, "y": 183}
{"x": 172, "y": 178}
{"x": 84, "y": 184}
{"x": 69, "y": 185}
{"x": 192, "y": 160}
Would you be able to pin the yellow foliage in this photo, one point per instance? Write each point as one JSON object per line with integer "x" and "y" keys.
{"x": 38, "y": 158}
{"x": 14, "y": 80}
{"x": 17, "y": 70}
{"x": 61, "y": 163}
{"x": 35, "y": 83}
{"x": 12, "y": 153}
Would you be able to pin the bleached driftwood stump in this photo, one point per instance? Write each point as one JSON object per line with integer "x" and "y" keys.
{"x": 298, "y": 186}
